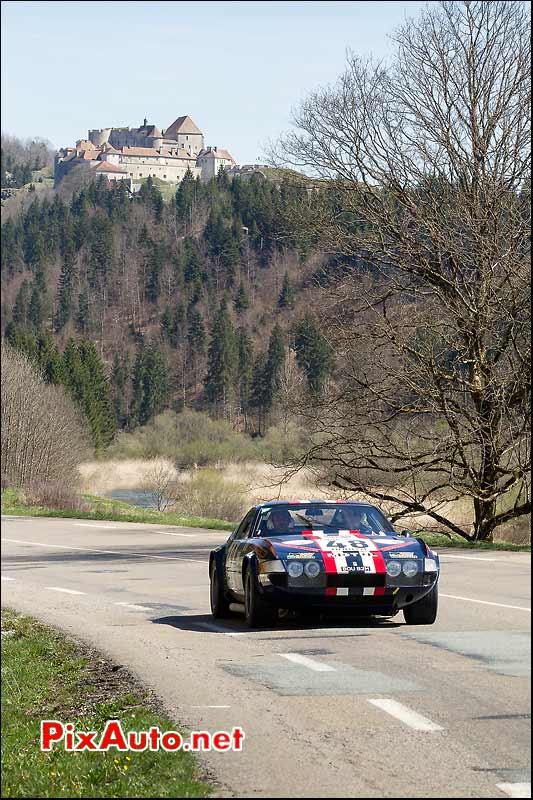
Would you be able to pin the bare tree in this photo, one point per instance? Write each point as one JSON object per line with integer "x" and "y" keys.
{"x": 423, "y": 176}
{"x": 161, "y": 484}
{"x": 43, "y": 436}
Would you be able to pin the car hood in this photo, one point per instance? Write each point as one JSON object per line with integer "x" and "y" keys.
{"x": 318, "y": 541}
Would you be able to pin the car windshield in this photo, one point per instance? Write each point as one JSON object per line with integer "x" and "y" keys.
{"x": 283, "y": 519}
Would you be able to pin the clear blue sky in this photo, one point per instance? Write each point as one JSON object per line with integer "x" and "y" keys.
{"x": 236, "y": 68}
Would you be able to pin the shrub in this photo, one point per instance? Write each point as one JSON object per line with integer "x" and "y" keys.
{"x": 44, "y": 437}
{"x": 207, "y": 494}
{"x": 54, "y": 494}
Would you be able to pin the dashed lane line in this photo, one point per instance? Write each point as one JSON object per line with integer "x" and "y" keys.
{"x": 515, "y": 789}
{"x": 213, "y": 628}
{"x": 310, "y": 663}
{"x": 66, "y": 591}
{"x": 484, "y": 602}
{"x": 470, "y": 558}
{"x": 92, "y": 525}
{"x": 406, "y": 715}
{"x": 134, "y": 606}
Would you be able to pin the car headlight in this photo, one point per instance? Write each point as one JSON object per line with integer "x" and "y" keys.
{"x": 295, "y": 569}
{"x": 394, "y": 568}
{"x": 312, "y": 568}
{"x": 410, "y": 568}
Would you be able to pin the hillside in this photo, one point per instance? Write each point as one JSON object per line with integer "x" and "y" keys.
{"x": 190, "y": 299}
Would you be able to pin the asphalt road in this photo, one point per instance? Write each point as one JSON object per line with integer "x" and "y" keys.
{"x": 329, "y": 710}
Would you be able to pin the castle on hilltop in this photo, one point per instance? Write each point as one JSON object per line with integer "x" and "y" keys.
{"x": 131, "y": 154}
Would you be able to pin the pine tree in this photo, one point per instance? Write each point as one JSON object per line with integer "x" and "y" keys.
{"x": 245, "y": 367}
{"x": 286, "y": 297}
{"x": 259, "y": 389}
{"x": 20, "y": 309}
{"x": 96, "y": 399}
{"x": 155, "y": 385}
{"x": 154, "y": 268}
{"x": 36, "y": 312}
{"x": 221, "y": 361}
{"x": 82, "y": 314}
{"x": 242, "y": 301}
{"x": 186, "y": 199}
{"x": 101, "y": 250}
{"x": 274, "y": 363}
{"x": 49, "y": 359}
{"x": 149, "y": 384}
{"x": 313, "y": 353}
{"x": 66, "y": 284}
{"x": 167, "y": 323}
{"x": 120, "y": 375}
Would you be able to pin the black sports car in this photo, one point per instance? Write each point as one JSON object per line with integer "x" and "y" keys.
{"x": 317, "y": 556}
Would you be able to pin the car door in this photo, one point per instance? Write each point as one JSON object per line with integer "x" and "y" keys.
{"x": 234, "y": 554}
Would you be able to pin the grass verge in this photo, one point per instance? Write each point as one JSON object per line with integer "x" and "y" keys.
{"x": 45, "y": 675}
{"x": 105, "y": 509}
{"x": 443, "y": 540}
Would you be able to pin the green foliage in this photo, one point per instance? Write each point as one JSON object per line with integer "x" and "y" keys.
{"x": 45, "y": 675}
{"x": 149, "y": 384}
{"x": 313, "y": 352}
{"x": 221, "y": 361}
{"x": 286, "y": 297}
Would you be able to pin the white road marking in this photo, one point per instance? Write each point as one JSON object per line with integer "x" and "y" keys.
{"x": 411, "y": 718}
{"x": 211, "y": 626}
{"x": 134, "y": 606}
{"x": 108, "y": 552}
{"x": 317, "y": 666}
{"x": 167, "y": 533}
{"x": 92, "y": 525}
{"x": 484, "y": 602}
{"x": 515, "y": 789}
{"x": 5, "y": 578}
{"x": 469, "y": 558}
{"x": 66, "y": 591}
{"x": 210, "y": 706}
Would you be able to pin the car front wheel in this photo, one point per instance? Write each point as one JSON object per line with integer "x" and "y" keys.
{"x": 219, "y": 601}
{"x": 424, "y": 611}
{"x": 257, "y": 611}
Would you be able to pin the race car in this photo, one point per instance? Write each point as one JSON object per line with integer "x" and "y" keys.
{"x": 317, "y": 556}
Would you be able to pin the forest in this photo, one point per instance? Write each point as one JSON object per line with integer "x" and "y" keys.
{"x": 137, "y": 305}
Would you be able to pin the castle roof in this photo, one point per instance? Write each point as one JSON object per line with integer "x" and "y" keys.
{"x": 108, "y": 148}
{"x": 218, "y": 153}
{"x": 106, "y": 166}
{"x": 90, "y": 155}
{"x": 182, "y": 125}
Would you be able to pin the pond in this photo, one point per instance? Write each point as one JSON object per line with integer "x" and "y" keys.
{"x": 136, "y": 497}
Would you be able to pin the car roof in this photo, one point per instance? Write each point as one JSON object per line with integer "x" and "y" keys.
{"x": 287, "y": 503}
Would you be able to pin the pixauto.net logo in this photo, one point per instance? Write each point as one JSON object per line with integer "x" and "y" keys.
{"x": 54, "y": 732}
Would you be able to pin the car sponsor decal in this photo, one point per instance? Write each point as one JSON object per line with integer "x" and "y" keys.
{"x": 403, "y": 555}
{"x": 346, "y": 553}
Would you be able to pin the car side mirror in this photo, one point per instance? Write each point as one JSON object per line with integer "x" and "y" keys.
{"x": 405, "y": 532}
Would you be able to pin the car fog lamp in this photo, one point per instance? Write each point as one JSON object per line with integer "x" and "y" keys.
{"x": 394, "y": 568}
{"x": 312, "y": 568}
{"x": 410, "y": 568}
{"x": 295, "y": 569}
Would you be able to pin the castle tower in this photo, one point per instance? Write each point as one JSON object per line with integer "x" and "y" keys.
{"x": 187, "y": 134}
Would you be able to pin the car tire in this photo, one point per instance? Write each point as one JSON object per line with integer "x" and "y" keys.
{"x": 424, "y": 611}
{"x": 217, "y": 595}
{"x": 257, "y": 611}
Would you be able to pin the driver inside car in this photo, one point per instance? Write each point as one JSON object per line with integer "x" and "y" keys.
{"x": 280, "y": 520}
{"x": 354, "y": 519}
